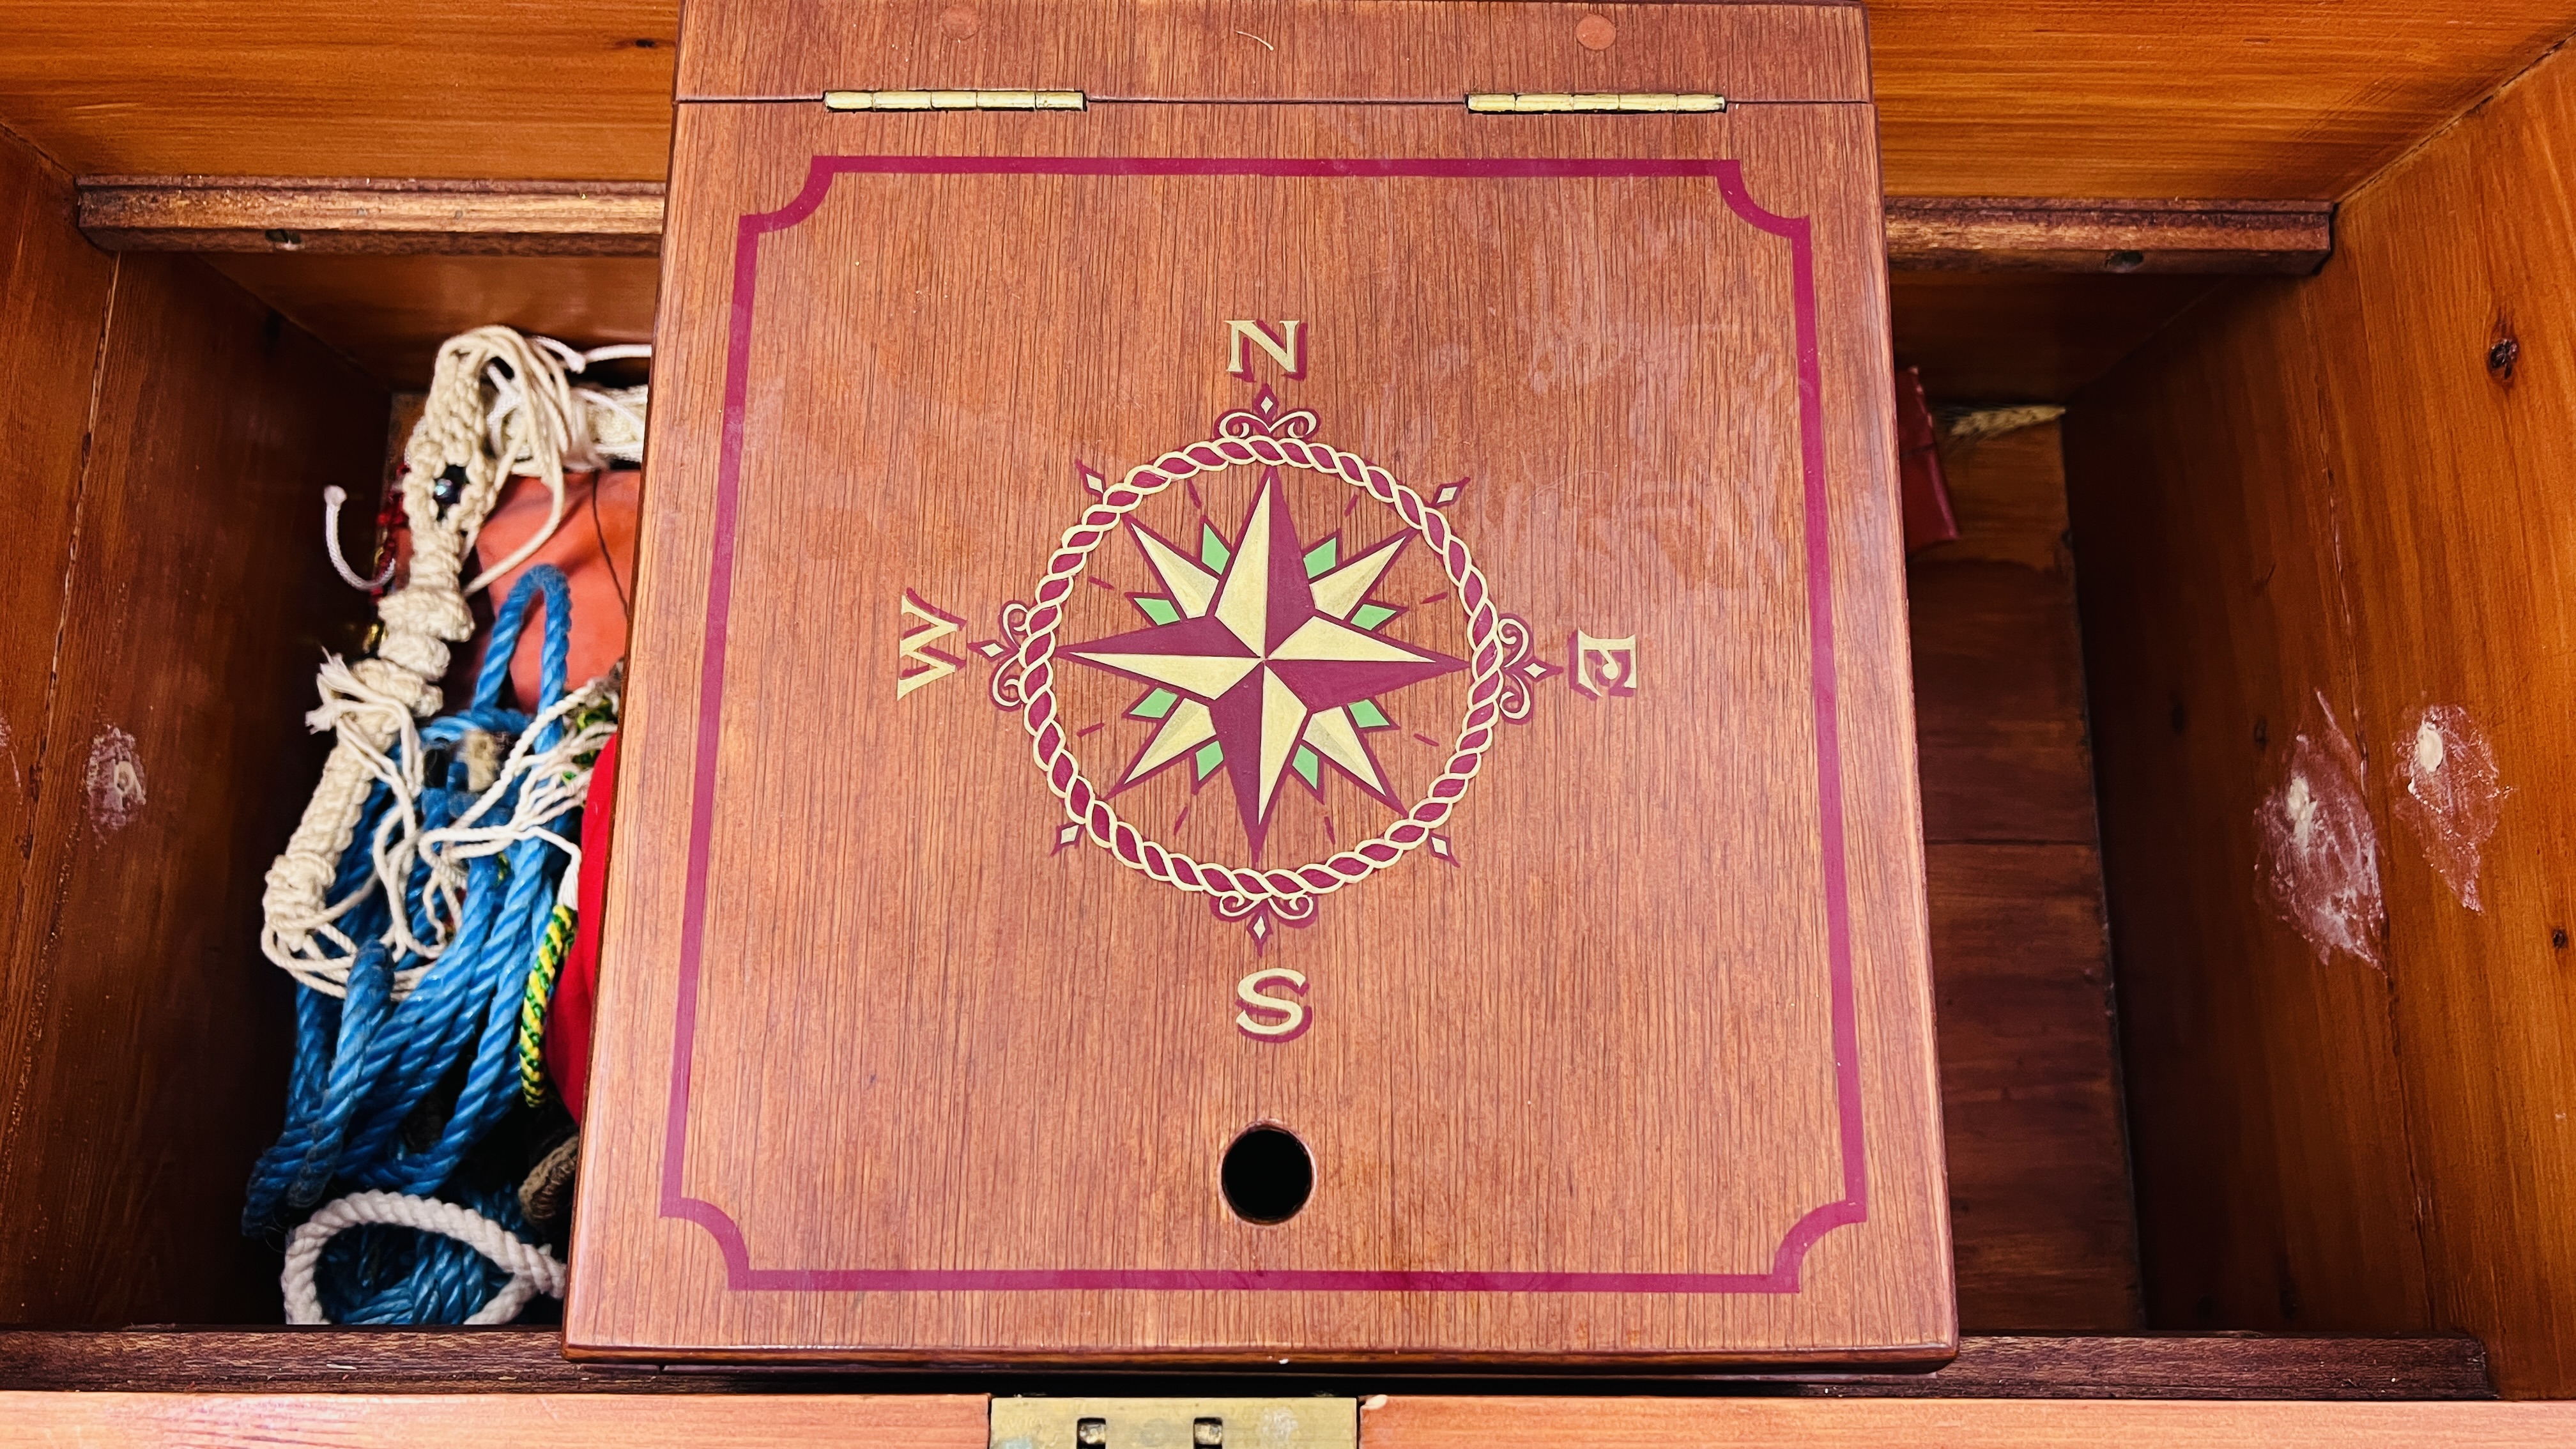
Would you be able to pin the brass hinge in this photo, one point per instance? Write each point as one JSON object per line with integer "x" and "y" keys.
{"x": 1505, "y": 103}
{"x": 1314, "y": 1423}
{"x": 953, "y": 100}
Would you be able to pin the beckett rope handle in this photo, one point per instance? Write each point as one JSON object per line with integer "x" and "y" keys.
{"x": 460, "y": 455}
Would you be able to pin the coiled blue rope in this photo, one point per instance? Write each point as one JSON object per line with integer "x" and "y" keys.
{"x": 365, "y": 1064}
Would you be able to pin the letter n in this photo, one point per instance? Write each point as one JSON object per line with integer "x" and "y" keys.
{"x": 1287, "y": 346}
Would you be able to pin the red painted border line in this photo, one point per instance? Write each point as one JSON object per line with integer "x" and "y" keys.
{"x": 1852, "y": 1207}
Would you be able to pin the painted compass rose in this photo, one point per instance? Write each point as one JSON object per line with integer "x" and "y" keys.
{"x": 1263, "y": 660}
{"x": 1264, "y": 657}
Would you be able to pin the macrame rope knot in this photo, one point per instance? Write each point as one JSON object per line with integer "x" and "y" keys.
{"x": 497, "y": 404}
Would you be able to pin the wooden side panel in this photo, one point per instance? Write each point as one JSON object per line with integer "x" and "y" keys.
{"x": 2461, "y": 539}
{"x": 1462, "y": 1423}
{"x": 147, "y": 1037}
{"x": 2346, "y": 498}
{"x": 2041, "y": 1220}
{"x": 2267, "y": 1119}
{"x": 390, "y": 313}
{"x": 53, "y": 306}
{"x": 2007, "y": 337}
{"x": 384, "y": 1421}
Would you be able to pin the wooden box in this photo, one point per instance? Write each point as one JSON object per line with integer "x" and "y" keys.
{"x": 2316, "y": 510}
{"x": 1269, "y": 730}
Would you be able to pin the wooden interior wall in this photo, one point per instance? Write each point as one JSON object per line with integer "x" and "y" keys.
{"x": 2041, "y": 1218}
{"x": 162, "y": 455}
{"x": 2331, "y": 506}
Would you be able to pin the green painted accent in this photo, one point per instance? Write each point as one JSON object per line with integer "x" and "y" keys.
{"x": 1155, "y": 705}
{"x": 1309, "y": 766}
{"x": 1160, "y": 610}
{"x": 1212, "y": 549}
{"x": 1211, "y": 755}
{"x": 1321, "y": 558}
{"x": 1368, "y": 716}
{"x": 1370, "y": 616}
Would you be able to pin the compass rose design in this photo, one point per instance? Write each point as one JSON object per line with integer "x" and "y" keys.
{"x": 1263, "y": 658}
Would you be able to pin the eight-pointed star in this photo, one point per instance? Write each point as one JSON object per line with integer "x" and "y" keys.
{"x": 1263, "y": 658}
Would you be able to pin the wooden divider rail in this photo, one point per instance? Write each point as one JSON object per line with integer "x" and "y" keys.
{"x": 380, "y": 217}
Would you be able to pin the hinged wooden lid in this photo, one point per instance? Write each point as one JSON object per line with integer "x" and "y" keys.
{"x": 1241, "y": 50}
{"x": 1264, "y": 733}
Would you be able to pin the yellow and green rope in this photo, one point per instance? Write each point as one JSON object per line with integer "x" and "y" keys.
{"x": 541, "y": 994}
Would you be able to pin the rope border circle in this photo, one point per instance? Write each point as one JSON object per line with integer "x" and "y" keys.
{"x": 1027, "y": 683}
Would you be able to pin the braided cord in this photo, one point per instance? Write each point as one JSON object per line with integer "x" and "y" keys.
{"x": 539, "y": 996}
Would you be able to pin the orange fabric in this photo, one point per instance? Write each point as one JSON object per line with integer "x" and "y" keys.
{"x": 594, "y": 546}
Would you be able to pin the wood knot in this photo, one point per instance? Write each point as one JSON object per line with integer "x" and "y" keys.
{"x": 2502, "y": 356}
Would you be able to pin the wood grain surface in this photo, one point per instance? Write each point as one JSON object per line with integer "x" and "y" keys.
{"x": 2027, "y": 337}
{"x": 2040, "y": 1208}
{"x": 375, "y": 215}
{"x": 529, "y": 1360}
{"x": 54, "y": 291}
{"x": 146, "y": 1038}
{"x": 2340, "y": 495}
{"x": 2273, "y": 98}
{"x": 586, "y": 1421}
{"x": 1178, "y": 50}
{"x": 396, "y": 217}
{"x": 1403, "y": 1422}
{"x": 1989, "y": 234}
{"x": 389, "y": 314}
{"x": 1515, "y": 1062}
{"x": 2252, "y": 98}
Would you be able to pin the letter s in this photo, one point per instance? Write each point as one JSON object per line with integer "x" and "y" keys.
{"x": 1295, "y": 1016}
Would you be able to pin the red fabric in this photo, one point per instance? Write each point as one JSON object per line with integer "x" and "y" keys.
{"x": 1925, "y": 493}
{"x": 568, "y": 1021}
{"x": 597, "y": 508}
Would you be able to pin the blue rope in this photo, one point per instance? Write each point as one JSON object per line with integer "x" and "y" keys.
{"x": 377, "y": 1274}
{"x": 366, "y": 1064}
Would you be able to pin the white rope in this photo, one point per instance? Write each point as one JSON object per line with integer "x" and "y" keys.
{"x": 333, "y": 498}
{"x": 528, "y": 423}
{"x": 532, "y": 1269}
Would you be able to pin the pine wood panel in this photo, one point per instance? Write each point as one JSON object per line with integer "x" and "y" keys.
{"x": 2325, "y": 491}
{"x": 528, "y": 1360}
{"x": 575, "y": 1421}
{"x": 2457, "y": 535}
{"x": 1457, "y": 1423}
{"x": 2040, "y": 1207}
{"x": 328, "y": 88}
{"x": 2267, "y": 1119}
{"x": 53, "y": 306}
{"x": 2274, "y": 98}
{"x": 1993, "y": 98}
{"x": 147, "y": 1038}
{"x": 807, "y": 1203}
{"x": 2041, "y": 1216}
{"x": 1990, "y": 337}
{"x": 390, "y": 314}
